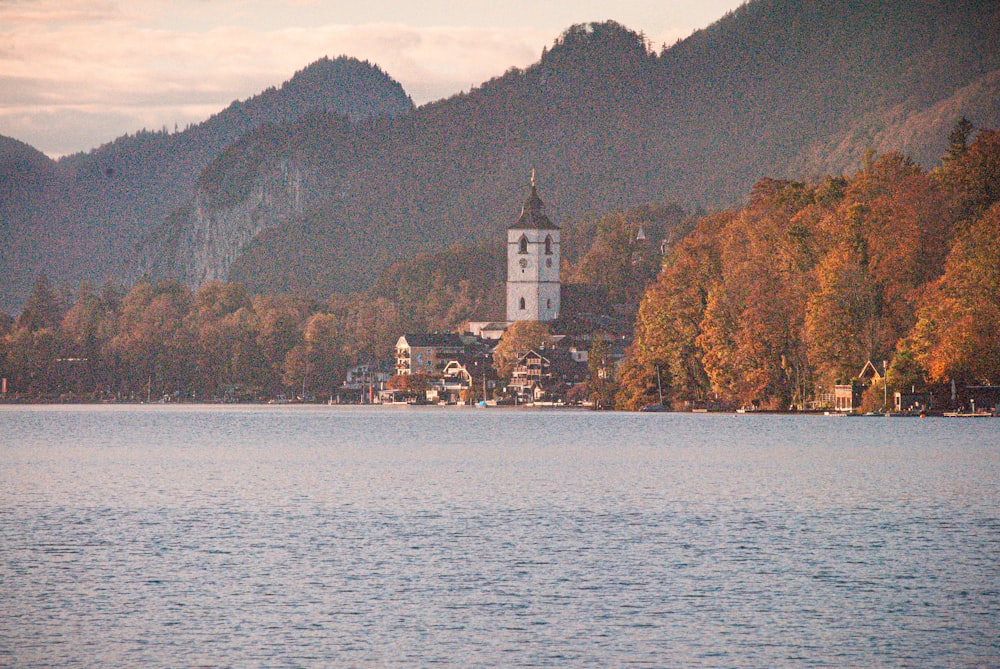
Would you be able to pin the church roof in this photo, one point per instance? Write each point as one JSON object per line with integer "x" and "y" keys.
{"x": 533, "y": 212}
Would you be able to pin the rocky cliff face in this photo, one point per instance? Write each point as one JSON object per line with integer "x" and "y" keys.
{"x": 216, "y": 237}
{"x": 200, "y": 243}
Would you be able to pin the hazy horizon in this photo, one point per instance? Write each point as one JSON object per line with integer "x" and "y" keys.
{"x": 80, "y": 73}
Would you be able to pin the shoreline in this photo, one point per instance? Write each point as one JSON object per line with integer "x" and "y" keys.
{"x": 546, "y": 406}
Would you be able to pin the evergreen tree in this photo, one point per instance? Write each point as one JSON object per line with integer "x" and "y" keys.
{"x": 958, "y": 139}
{"x": 43, "y": 309}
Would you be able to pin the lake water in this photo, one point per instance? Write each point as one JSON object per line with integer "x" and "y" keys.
{"x": 394, "y": 537}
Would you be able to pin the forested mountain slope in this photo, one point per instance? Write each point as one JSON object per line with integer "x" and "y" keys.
{"x": 777, "y": 88}
{"x": 86, "y": 212}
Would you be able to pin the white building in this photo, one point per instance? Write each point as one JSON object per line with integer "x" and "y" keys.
{"x": 533, "y": 263}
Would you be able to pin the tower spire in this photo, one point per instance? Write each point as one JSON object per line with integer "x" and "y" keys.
{"x": 533, "y": 287}
{"x": 533, "y": 211}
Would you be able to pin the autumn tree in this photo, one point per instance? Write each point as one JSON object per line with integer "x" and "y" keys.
{"x": 801, "y": 286}
{"x": 956, "y": 332}
{"x": 370, "y": 326}
{"x": 43, "y": 308}
{"x": 972, "y": 177}
{"x": 906, "y": 373}
{"x": 88, "y": 329}
{"x": 220, "y": 324}
{"x": 279, "y": 321}
{"x": 31, "y": 362}
{"x": 752, "y": 322}
{"x": 897, "y": 219}
{"x": 843, "y": 317}
{"x": 958, "y": 139}
{"x": 664, "y": 353}
{"x": 152, "y": 344}
{"x": 414, "y": 385}
{"x": 520, "y": 338}
{"x": 601, "y": 384}
{"x": 623, "y": 253}
{"x": 318, "y": 364}
{"x": 437, "y": 292}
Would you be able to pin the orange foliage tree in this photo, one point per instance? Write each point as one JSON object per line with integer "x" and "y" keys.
{"x": 956, "y": 333}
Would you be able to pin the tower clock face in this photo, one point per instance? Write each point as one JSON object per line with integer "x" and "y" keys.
{"x": 523, "y": 262}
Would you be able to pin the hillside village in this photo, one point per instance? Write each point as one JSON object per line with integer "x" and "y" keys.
{"x": 547, "y": 368}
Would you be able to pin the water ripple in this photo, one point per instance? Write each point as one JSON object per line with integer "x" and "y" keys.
{"x": 260, "y": 537}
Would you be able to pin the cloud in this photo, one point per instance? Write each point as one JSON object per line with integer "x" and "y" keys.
{"x": 15, "y": 13}
{"x": 668, "y": 37}
{"x": 67, "y": 63}
{"x": 78, "y": 73}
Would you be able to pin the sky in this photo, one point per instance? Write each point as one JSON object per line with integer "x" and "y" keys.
{"x": 75, "y": 74}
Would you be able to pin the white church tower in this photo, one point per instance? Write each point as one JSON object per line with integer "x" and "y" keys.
{"x": 533, "y": 263}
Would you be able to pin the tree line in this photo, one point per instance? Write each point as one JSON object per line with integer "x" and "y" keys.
{"x": 161, "y": 338}
{"x": 772, "y": 304}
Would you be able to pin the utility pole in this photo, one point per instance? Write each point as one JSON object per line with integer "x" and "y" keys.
{"x": 305, "y": 374}
{"x": 885, "y": 386}
{"x": 659, "y": 384}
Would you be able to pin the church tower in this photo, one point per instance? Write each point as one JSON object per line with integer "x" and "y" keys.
{"x": 533, "y": 263}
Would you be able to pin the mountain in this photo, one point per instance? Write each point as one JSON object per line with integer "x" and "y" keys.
{"x": 776, "y": 88}
{"x": 90, "y": 210}
{"x": 26, "y": 176}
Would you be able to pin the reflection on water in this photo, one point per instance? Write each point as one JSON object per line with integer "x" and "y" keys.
{"x": 317, "y": 536}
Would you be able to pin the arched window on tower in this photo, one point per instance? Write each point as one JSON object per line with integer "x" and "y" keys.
{"x": 548, "y": 245}
{"x": 522, "y": 245}
{"x": 521, "y": 304}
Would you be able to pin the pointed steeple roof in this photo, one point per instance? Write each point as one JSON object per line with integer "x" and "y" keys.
{"x": 533, "y": 212}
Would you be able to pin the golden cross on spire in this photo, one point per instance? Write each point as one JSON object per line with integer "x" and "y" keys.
{"x": 532, "y": 177}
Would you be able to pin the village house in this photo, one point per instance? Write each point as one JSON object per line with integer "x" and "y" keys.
{"x": 982, "y": 399}
{"x": 443, "y": 367}
{"x": 428, "y": 354}
{"x": 847, "y": 396}
{"x": 364, "y": 376}
{"x": 911, "y": 401}
{"x": 363, "y": 382}
{"x": 547, "y": 373}
{"x": 470, "y": 375}
{"x": 487, "y": 330}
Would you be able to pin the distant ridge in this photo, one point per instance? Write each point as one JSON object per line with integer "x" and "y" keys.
{"x": 319, "y": 204}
